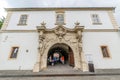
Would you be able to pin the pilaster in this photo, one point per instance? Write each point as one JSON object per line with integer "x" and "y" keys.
{"x": 40, "y": 30}
{"x": 113, "y": 20}
{"x": 79, "y": 29}
{"x": 6, "y": 22}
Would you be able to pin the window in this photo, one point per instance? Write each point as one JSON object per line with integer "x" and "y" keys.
{"x": 60, "y": 19}
{"x": 105, "y": 51}
{"x": 23, "y": 20}
{"x": 95, "y": 19}
{"x": 14, "y": 52}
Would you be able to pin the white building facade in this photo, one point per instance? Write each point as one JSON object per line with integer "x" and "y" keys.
{"x": 29, "y": 34}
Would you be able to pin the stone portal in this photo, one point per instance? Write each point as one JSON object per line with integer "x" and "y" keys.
{"x": 60, "y": 37}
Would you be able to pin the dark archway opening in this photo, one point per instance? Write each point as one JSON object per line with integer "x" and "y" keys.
{"x": 60, "y": 54}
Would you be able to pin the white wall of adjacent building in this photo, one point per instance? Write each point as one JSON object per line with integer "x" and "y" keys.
{"x": 49, "y": 17}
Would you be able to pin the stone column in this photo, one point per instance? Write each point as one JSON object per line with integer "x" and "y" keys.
{"x": 84, "y": 65}
{"x": 40, "y": 30}
{"x": 37, "y": 66}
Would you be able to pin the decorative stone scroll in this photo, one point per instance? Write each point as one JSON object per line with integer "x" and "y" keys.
{"x": 60, "y": 32}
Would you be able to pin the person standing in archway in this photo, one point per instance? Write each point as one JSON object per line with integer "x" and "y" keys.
{"x": 62, "y": 59}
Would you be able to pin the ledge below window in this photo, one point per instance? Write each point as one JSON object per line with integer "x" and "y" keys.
{"x": 97, "y": 23}
{"x": 21, "y": 24}
{"x": 60, "y": 23}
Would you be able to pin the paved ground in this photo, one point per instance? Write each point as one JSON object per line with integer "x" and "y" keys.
{"x": 60, "y": 72}
{"x": 65, "y": 78}
{"x": 61, "y": 69}
{"x": 51, "y": 70}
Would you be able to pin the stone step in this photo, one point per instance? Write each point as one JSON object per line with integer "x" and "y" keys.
{"x": 58, "y": 70}
{"x": 45, "y": 73}
{"x": 112, "y": 77}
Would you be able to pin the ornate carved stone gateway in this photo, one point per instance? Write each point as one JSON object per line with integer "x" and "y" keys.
{"x": 60, "y": 35}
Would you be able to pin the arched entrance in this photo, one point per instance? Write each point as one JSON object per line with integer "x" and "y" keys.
{"x": 62, "y": 41}
{"x": 60, "y": 54}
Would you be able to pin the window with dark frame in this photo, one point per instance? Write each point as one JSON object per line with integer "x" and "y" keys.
{"x": 105, "y": 51}
{"x": 60, "y": 18}
{"x": 14, "y": 52}
{"x": 95, "y": 19}
{"x": 23, "y": 20}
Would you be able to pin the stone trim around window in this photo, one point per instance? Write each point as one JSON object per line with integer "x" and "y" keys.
{"x": 95, "y": 19}
{"x": 23, "y": 20}
{"x": 105, "y": 51}
{"x": 14, "y": 52}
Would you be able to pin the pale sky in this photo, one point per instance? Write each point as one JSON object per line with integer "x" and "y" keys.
{"x": 60, "y": 3}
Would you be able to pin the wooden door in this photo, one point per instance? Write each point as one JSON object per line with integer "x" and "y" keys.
{"x": 91, "y": 67}
{"x": 71, "y": 59}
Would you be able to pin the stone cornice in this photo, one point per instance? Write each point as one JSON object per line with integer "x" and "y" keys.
{"x": 85, "y": 30}
{"x": 17, "y": 31}
{"x": 58, "y": 8}
{"x": 100, "y": 30}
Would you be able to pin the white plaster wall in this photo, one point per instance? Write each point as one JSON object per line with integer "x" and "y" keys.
{"x": 0, "y": 37}
{"x": 49, "y": 17}
{"x": 25, "y": 60}
{"x": 84, "y": 17}
{"x": 29, "y": 41}
{"x": 34, "y": 19}
{"x": 91, "y": 45}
